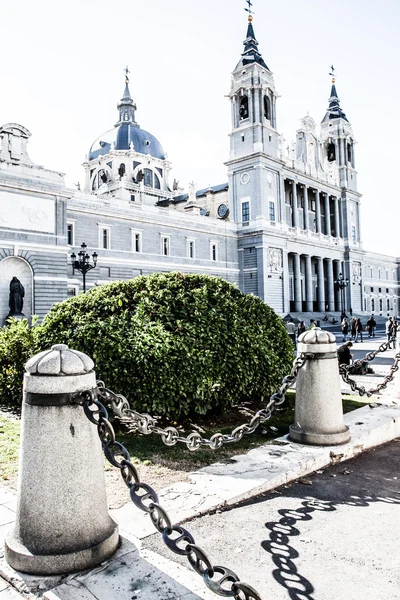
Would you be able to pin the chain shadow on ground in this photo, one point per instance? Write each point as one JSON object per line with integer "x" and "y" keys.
{"x": 283, "y": 552}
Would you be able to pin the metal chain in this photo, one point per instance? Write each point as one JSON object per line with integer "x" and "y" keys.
{"x": 146, "y": 424}
{"x": 220, "y": 580}
{"x": 344, "y": 370}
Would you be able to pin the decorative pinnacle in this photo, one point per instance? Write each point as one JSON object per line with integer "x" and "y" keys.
{"x": 126, "y": 71}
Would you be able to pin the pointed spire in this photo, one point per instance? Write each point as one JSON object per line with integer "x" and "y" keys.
{"x": 127, "y": 106}
{"x": 334, "y": 111}
{"x": 251, "y": 53}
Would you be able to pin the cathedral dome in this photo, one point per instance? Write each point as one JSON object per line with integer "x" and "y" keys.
{"x": 122, "y": 137}
{"x": 127, "y": 134}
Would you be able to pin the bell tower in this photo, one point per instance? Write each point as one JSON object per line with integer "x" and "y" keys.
{"x": 253, "y": 99}
{"x": 338, "y": 139}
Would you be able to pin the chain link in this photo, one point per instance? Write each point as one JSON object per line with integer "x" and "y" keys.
{"x": 146, "y": 424}
{"x": 344, "y": 370}
{"x": 220, "y": 580}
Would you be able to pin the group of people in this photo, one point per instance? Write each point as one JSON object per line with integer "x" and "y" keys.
{"x": 354, "y": 328}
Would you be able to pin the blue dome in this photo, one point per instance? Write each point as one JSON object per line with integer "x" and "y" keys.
{"x": 122, "y": 135}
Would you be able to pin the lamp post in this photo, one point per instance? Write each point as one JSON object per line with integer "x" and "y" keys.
{"x": 82, "y": 263}
{"x": 342, "y": 283}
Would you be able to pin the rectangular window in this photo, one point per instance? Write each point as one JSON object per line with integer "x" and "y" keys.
{"x": 165, "y": 246}
{"x": 387, "y": 274}
{"x": 353, "y": 233}
{"x": 245, "y": 212}
{"x": 136, "y": 241}
{"x": 313, "y": 205}
{"x": 387, "y": 290}
{"x": 190, "y": 248}
{"x": 272, "y": 211}
{"x": 372, "y": 289}
{"x": 132, "y": 197}
{"x": 388, "y": 304}
{"x": 105, "y": 272}
{"x": 213, "y": 251}
{"x": 380, "y": 290}
{"x": 70, "y": 234}
{"x": 105, "y": 236}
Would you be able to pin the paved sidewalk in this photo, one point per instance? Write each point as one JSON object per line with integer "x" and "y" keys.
{"x": 136, "y": 573}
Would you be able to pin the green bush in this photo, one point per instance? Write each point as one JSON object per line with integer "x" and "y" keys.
{"x": 175, "y": 344}
{"x": 17, "y": 345}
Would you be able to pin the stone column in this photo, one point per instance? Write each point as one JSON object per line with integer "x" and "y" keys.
{"x": 309, "y": 286}
{"x": 306, "y": 213}
{"x": 327, "y": 214}
{"x": 294, "y": 208}
{"x": 337, "y": 220}
{"x": 282, "y": 198}
{"x": 62, "y": 523}
{"x": 336, "y": 271}
{"x": 319, "y": 412}
{"x": 297, "y": 282}
{"x": 317, "y": 212}
{"x": 320, "y": 284}
{"x": 330, "y": 284}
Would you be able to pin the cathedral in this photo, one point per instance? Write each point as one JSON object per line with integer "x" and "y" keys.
{"x": 285, "y": 226}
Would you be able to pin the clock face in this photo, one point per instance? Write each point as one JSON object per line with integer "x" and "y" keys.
{"x": 222, "y": 211}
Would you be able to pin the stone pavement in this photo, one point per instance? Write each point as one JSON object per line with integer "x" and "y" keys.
{"x": 134, "y": 572}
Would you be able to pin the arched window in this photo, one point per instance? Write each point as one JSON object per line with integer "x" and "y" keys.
{"x": 267, "y": 108}
{"x": 148, "y": 177}
{"x": 244, "y": 108}
{"x": 380, "y": 305}
{"x": 121, "y": 170}
{"x": 157, "y": 183}
{"x": 331, "y": 151}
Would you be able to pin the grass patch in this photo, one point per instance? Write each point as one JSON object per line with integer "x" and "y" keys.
{"x": 150, "y": 450}
{"x": 9, "y": 448}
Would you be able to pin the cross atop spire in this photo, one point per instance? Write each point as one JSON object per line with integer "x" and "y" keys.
{"x": 250, "y": 4}
{"x": 126, "y": 71}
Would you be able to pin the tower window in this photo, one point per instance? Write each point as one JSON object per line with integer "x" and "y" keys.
{"x": 157, "y": 182}
{"x": 244, "y": 108}
{"x": 349, "y": 153}
{"x": 245, "y": 212}
{"x": 354, "y": 236}
{"x": 267, "y": 108}
{"x": 331, "y": 151}
{"x": 243, "y": 138}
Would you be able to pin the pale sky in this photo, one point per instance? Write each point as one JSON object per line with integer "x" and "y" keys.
{"x": 62, "y": 76}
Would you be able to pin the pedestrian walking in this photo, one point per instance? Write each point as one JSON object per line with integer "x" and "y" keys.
{"x": 301, "y": 327}
{"x": 359, "y": 330}
{"x": 353, "y": 329}
{"x": 351, "y": 311}
{"x": 389, "y": 330}
{"x": 312, "y": 324}
{"x": 370, "y": 327}
{"x": 291, "y": 329}
{"x": 345, "y": 328}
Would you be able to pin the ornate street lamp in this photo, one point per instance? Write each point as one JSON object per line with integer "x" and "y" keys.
{"x": 82, "y": 263}
{"x": 342, "y": 283}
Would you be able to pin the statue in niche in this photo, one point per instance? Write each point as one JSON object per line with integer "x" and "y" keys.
{"x": 16, "y": 301}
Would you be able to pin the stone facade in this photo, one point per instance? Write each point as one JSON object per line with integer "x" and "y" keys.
{"x": 284, "y": 227}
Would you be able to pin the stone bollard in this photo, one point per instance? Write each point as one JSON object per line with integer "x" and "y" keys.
{"x": 319, "y": 412}
{"x": 62, "y": 522}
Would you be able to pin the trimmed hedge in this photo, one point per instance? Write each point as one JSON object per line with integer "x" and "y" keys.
{"x": 175, "y": 344}
{"x": 17, "y": 345}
